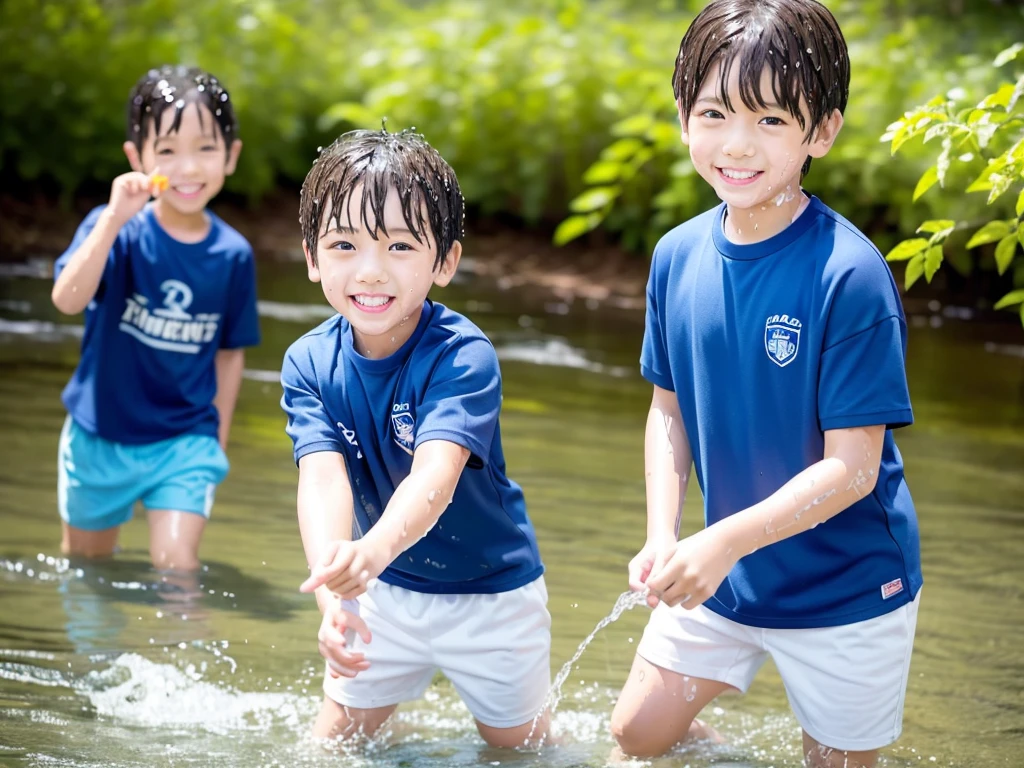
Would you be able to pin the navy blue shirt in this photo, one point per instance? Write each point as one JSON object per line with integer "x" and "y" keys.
{"x": 442, "y": 384}
{"x": 162, "y": 310}
{"x": 767, "y": 346}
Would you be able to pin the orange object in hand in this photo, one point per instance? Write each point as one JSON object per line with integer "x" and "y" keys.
{"x": 159, "y": 183}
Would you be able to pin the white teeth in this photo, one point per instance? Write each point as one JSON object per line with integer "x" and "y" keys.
{"x": 188, "y": 189}
{"x": 372, "y": 301}
{"x": 729, "y": 173}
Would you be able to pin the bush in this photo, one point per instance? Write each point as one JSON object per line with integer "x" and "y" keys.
{"x": 982, "y": 150}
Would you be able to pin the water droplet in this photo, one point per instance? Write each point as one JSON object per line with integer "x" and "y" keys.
{"x": 809, "y": 50}
{"x": 431, "y": 497}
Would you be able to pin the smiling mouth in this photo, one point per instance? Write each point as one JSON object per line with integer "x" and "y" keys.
{"x": 188, "y": 190}
{"x": 738, "y": 176}
{"x": 375, "y": 303}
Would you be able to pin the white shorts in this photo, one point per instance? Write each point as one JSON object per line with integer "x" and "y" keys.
{"x": 495, "y": 649}
{"x": 846, "y": 684}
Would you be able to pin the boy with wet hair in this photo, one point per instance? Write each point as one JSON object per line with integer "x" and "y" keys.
{"x": 775, "y": 341}
{"x": 169, "y": 295}
{"x": 405, "y": 510}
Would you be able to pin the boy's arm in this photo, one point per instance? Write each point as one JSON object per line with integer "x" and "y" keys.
{"x": 414, "y": 508}
{"x": 229, "y": 364}
{"x": 325, "y": 508}
{"x": 78, "y": 281}
{"x": 667, "y": 462}
{"x": 847, "y": 472}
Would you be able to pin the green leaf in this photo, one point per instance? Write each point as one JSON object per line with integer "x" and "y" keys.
{"x": 623, "y": 149}
{"x": 907, "y": 249}
{"x": 574, "y": 226}
{"x": 994, "y": 230}
{"x": 926, "y": 182}
{"x": 602, "y": 172}
{"x": 637, "y": 125}
{"x": 1005, "y": 251}
{"x": 1020, "y": 233}
{"x": 1008, "y": 55}
{"x": 1001, "y": 98}
{"x": 932, "y": 262}
{"x": 937, "y": 225}
{"x": 915, "y": 268}
{"x": 348, "y": 112}
{"x": 594, "y": 198}
{"x": 1020, "y": 203}
{"x": 1010, "y": 299}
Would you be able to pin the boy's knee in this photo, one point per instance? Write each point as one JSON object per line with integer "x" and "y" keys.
{"x": 637, "y": 739}
{"x": 173, "y": 557}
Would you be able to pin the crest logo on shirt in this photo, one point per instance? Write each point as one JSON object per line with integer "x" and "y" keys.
{"x": 403, "y": 425}
{"x": 170, "y": 327}
{"x": 782, "y": 339}
{"x": 891, "y": 588}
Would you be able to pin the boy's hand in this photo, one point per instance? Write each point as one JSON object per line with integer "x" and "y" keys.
{"x": 129, "y": 194}
{"x": 696, "y": 569}
{"x": 344, "y": 568}
{"x": 337, "y": 625}
{"x": 650, "y": 559}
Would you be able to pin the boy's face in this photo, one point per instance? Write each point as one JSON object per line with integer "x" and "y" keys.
{"x": 377, "y": 284}
{"x": 752, "y": 158}
{"x": 193, "y": 158}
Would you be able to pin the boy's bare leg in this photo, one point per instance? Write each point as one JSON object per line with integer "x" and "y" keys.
{"x": 174, "y": 539}
{"x": 819, "y": 756}
{"x": 516, "y": 736}
{"x": 658, "y": 708}
{"x": 337, "y": 721}
{"x": 82, "y": 543}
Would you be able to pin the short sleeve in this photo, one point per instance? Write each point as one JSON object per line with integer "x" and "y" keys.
{"x": 862, "y": 380}
{"x": 463, "y": 398}
{"x": 84, "y": 230}
{"x": 242, "y": 325}
{"x": 309, "y": 425}
{"x": 654, "y": 364}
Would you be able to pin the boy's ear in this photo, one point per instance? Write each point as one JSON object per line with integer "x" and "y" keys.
{"x": 233, "y": 152}
{"x": 825, "y": 135}
{"x": 132, "y": 153}
{"x": 311, "y": 266}
{"x": 446, "y": 271}
{"x": 685, "y": 135}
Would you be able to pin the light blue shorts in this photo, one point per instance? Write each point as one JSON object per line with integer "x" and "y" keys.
{"x": 98, "y": 481}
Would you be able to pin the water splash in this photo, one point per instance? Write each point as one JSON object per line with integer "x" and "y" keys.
{"x": 627, "y": 601}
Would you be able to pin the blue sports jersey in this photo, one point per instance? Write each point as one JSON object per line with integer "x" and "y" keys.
{"x": 767, "y": 346}
{"x": 162, "y": 310}
{"x": 442, "y": 384}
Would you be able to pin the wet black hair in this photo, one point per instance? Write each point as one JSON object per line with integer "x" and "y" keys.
{"x": 174, "y": 88}
{"x": 798, "y": 41}
{"x": 381, "y": 162}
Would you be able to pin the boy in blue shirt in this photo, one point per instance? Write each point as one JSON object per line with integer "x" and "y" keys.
{"x": 169, "y": 294}
{"x": 404, "y": 507}
{"x": 775, "y": 341}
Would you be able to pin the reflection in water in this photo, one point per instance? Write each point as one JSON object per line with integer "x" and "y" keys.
{"x": 108, "y": 663}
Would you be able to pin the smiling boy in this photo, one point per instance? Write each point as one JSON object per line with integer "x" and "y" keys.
{"x": 775, "y": 341}
{"x": 169, "y": 294}
{"x": 405, "y": 510}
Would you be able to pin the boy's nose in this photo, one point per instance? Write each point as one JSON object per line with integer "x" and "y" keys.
{"x": 371, "y": 270}
{"x": 738, "y": 144}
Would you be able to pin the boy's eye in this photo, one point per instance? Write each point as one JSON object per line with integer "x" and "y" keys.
{"x": 714, "y": 114}
{"x": 400, "y": 247}
{"x": 341, "y": 245}
{"x": 773, "y": 121}
{"x": 208, "y": 148}
{"x": 165, "y": 151}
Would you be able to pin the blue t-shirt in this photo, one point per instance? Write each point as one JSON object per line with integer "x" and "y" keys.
{"x": 767, "y": 346}
{"x": 162, "y": 310}
{"x": 442, "y": 384}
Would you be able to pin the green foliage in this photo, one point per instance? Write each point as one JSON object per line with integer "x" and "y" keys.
{"x": 981, "y": 150}
{"x": 898, "y": 53}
